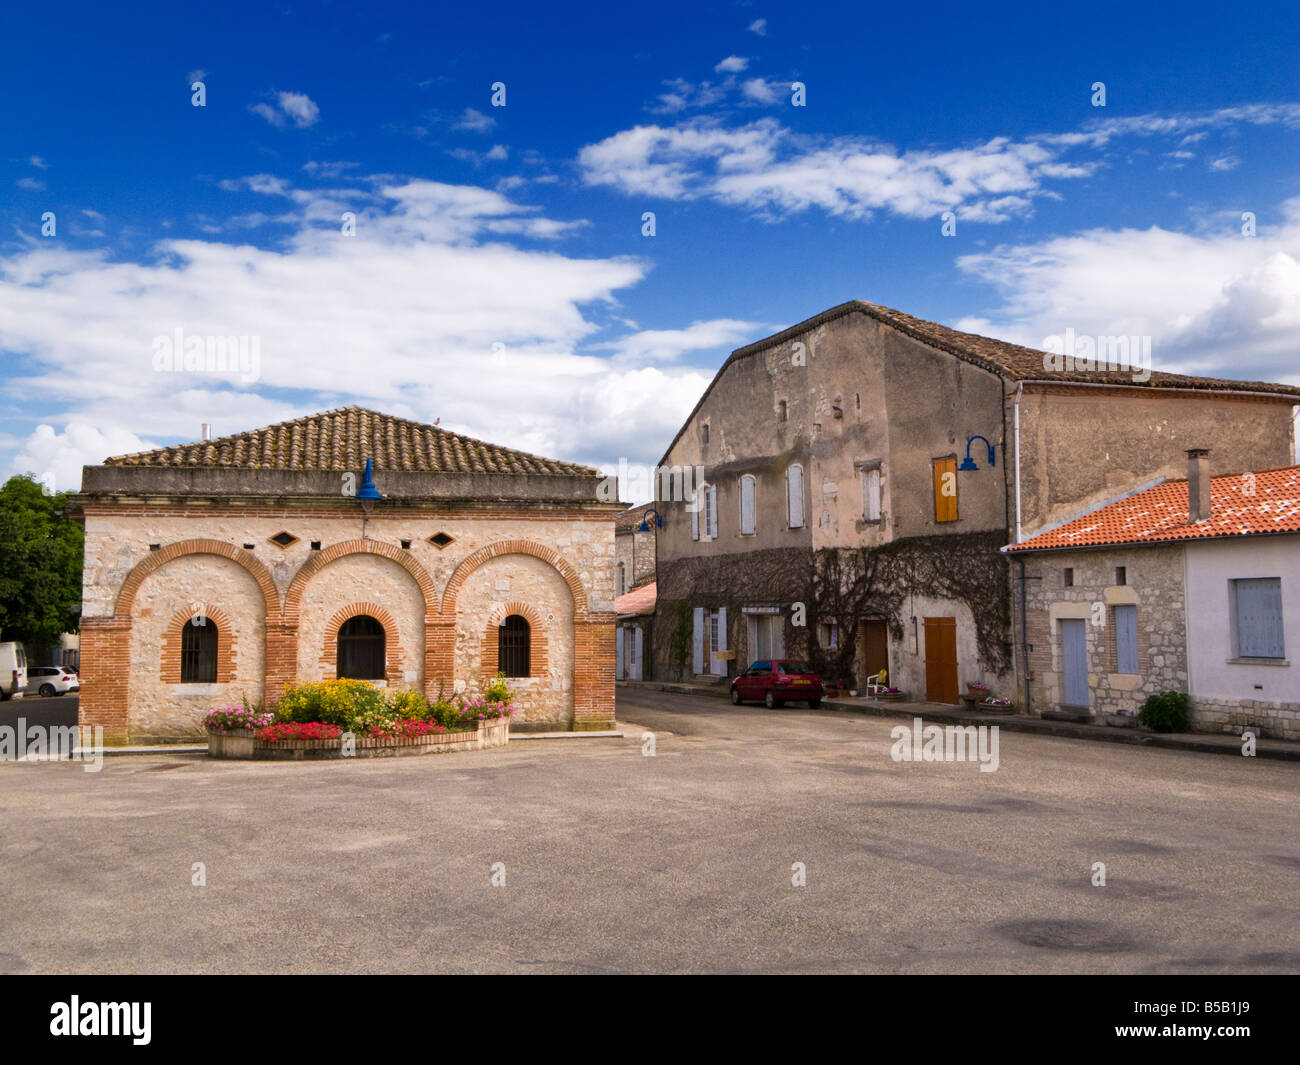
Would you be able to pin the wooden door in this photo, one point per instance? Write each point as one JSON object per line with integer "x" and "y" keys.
{"x": 1074, "y": 663}
{"x": 941, "y": 660}
{"x": 873, "y": 649}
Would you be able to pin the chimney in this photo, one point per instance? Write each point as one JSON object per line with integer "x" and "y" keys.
{"x": 207, "y": 430}
{"x": 1198, "y": 485}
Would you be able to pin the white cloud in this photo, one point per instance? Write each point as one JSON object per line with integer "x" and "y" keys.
{"x": 759, "y": 26}
{"x": 295, "y": 107}
{"x": 404, "y": 316}
{"x": 1226, "y": 162}
{"x": 29, "y": 183}
{"x": 733, "y": 64}
{"x": 1215, "y": 303}
{"x": 760, "y": 91}
{"x": 475, "y": 121}
{"x": 38, "y": 162}
{"x": 61, "y": 455}
{"x": 767, "y": 168}
{"x": 667, "y": 345}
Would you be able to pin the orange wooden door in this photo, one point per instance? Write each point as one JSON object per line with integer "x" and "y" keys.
{"x": 941, "y": 660}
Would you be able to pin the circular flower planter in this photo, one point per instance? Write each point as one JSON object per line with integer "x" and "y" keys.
{"x": 233, "y": 743}
{"x": 492, "y": 733}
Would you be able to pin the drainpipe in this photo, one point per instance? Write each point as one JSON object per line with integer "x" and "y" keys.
{"x": 1020, "y": 388}
{"x": 1024, "y": 635}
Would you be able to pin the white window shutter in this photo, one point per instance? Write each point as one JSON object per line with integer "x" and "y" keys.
{"x": 711, "y": 512}
{"x": 747, "y": 505}
{"x": 695, "y": 516}
{"x": 794, "y": 489}
{"x": 697, "y": 640}
{"x": 871, "y": 494}
{"x": 722, "y": 628}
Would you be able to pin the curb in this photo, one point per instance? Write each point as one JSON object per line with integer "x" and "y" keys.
{"x": 1182, "y": 741}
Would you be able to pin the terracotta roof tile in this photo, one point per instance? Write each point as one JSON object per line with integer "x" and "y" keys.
{"x": 343, "y": 439}
{"x": 637, "y": 601}
{"x": 1159, "y": 514}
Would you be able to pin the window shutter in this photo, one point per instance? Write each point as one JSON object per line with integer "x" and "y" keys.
{"x": 636, "y": 653}
{"x": 711, "y": 511}
{"x": 695, "y": 515}
{"x": 747, "y": 505}
{"x": 871, "y": 494}
{"x": 945, "y": 506}
{"x": 618, "y": 652}
{"x": 1259, "y": 618}
{"x": 722, "y": 628}
{"x": 794, "y": 490}
{"x": 1126, "y": 639}
{"x": 697, "y": 640}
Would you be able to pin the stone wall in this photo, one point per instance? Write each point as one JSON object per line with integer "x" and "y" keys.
{"x": 284, "y": 605}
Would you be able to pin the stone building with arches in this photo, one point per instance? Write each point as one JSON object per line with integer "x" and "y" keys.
{"x": 225, "y": 569}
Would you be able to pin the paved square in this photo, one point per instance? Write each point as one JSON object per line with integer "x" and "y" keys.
{"x": 616, "y": 862}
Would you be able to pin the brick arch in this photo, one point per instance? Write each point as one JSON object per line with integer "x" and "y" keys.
{"x": 515, "y": 547}
{"x": 321, "y": 559}
{"x": 227, "y": 645}
{"x": 393, "y": 656}
{"x": 169, "y": 553}
{"x": 538, "y": 662}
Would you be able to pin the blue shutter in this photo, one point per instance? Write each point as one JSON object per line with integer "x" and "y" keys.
{"x": 1126, "y": 639}
{"x": 1259, "y": 618}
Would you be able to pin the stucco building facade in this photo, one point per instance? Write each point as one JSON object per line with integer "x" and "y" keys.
{"x": 476, "y": 558}
{"x": 907, "y": 454}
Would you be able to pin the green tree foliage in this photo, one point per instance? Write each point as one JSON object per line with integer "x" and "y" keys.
{"x": 40, "y": 563}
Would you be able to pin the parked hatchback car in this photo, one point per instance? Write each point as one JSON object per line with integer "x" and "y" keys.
{"x": 778, "y": 681}
{"x": 52, "y": 680}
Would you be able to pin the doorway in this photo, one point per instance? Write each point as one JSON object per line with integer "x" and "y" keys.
{"x": 941, "y": 660}
{"x": 873, "y": 650}
{"x": 1074, "y": 663}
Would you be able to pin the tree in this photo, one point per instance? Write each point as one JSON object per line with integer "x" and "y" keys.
{"x": 40, "y": 563}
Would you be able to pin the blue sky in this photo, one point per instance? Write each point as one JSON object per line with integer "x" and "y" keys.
{"x": 497, "y": 277}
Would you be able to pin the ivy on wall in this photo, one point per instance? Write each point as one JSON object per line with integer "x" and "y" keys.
{"x": 843, "y": 585}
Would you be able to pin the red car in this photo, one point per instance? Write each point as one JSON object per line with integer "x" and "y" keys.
{"x": 778, "y": 681}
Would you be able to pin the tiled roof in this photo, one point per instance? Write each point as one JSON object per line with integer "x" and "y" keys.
{"x": 632, "y": 517}
{"x": 1159, "y": 514}
{"x": 637, "y": 601}
{"x": 343, "y": 439}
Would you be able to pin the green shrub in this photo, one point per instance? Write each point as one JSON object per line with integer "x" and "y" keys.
{"x": 1166, "y": 712}
{"x": 341, "y": 702}
{"x": 498, "y": 690}
{"x": 409, "y": 705}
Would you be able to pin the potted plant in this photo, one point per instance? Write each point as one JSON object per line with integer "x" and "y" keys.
{"x": 891, "y": 695}
{"x": 976, "y": 688}
{"x": 232, "y": 730}
{"x": 996, "y": 705}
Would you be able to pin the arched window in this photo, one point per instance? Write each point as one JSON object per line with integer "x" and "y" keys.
{"x": 199, "y": 651}
{"x": 512, "y": 647}
{"x": 361, "y": 649}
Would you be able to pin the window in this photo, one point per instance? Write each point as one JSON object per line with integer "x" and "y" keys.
{"x": 361, "y": 651}
{"x": 794, "y": 496}
{"x": 747, "y": 525}
{"x": 766, "y": 636}
{"x": 694, "y": 506}
{"x": 945, "y": 489}
{"x": 1121, "y": 575}
{"x": 871, "y": 492}
{"x": 1124, "y": 620}
{"x": 782, "y": 411}
{"x": 1067, "y": 577}
{"x": 711, "y": 512}
{"x": 830, "y": 636}
{"x": 1257, "y": 617}
{"x": 199, "y": 651}
{"x": 704, "y": 432}
{"x": 760, "y": 669}
{"x": 513, "y": 641}
{"x": 622, "y": 579}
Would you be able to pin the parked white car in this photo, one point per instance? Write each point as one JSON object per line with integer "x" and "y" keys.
{"x": 13, "y": 670}
{"x": 52, "y": 680}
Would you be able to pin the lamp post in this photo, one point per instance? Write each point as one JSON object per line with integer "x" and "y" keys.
{"x": 968, "y": 463}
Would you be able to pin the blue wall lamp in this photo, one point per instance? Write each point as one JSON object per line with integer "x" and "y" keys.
{"x": 645, "y": 520}
{"x": 968, "y": 463}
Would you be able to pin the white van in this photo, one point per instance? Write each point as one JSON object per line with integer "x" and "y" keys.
{"x": 13, "y": 670}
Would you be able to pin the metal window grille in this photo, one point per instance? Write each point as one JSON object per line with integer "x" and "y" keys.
{"x": 199, "y": 652}
{"x": 513, "y": 641}
{"x": 361, "y": 649}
